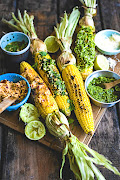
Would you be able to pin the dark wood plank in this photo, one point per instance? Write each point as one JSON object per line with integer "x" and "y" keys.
{"x": 45, "y": 15}
{"x": 0, "y": 147}
{"x": 24, "y": 159}
{"x": 110, "y": 14}
{"x": 107, "y": 141}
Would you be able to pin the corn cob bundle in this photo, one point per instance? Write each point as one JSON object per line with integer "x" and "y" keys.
{"x": 72, "y": 76}
{"x": 38, "y": 49}
{"x": 84, "y": 44}
{"x": 77, "y": 93}
{"x": 42, "y": 96}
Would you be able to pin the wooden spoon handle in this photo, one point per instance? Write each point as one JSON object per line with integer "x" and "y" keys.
{"x": 6, "y": 103}
{"x": 112, "y": 84}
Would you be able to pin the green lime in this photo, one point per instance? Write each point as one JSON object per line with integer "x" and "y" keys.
{"x": 101, "y": 63}
{"x": 28, "y": 113}
{"x": 51, "y": 43}
{"x": 35, "y": 130}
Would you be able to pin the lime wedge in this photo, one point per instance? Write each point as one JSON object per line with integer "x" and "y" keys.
{"x": 101, "y": 63}
{"x": 28, "y": 113}
{"x": 51, "y": 43}
{"x": 35, "y": 130}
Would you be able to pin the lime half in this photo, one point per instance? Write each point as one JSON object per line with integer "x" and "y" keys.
{"x": 35, "y": 130}
{"x": 101, "y": 63}
{"x": 51, "y": 43}
{"x": 28, "y": 113}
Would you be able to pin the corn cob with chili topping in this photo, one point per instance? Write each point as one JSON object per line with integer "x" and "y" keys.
{"x": 42, "y": 96}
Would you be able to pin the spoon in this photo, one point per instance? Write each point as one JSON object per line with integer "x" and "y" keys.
{"x": 6, "y": 103}
{"x": 111, "y": 84}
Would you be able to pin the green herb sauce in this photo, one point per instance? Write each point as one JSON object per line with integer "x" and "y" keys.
{"x": 84, "y": 48}
{"x": 49, "y": 66}
{"x": 97, "y": 91}
{"x": 16, "y": 46}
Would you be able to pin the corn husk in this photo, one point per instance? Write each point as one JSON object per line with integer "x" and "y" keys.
{"x": 82, "y": 165}
{"x": 64, "y": 32}
{"x": 89, "y": 11}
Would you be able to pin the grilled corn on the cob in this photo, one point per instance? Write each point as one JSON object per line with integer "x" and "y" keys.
{"x": 42, "y": 96}
{"x": 85, "y": 51}
{"x": 77, "y": 93}
{"x": 48, "y": 71}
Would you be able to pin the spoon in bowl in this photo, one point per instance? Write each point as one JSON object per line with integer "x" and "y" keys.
{"x": 111, "y": 84}
{"x": 6, "y": 103}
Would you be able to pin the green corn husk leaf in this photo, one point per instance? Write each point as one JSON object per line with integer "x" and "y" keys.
{"x": 63, "y": 25}
{"x": 20, "y": 17}
{"x": 72, "y": 23}
{"x": 80, "y": 163}
{"x": 11, "y": 24}
{"x": 24, "y": 24}
{"x": 64, "y": 31}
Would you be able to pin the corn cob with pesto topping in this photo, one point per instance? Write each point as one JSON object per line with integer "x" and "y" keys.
{"x": 47, "y": 68}
{"x": 84, "y": 44}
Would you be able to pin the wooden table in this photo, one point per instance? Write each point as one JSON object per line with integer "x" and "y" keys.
{"x": 22, "y": 159}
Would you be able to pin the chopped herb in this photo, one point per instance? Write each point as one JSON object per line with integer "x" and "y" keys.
{"x": 35, "y": 65}
{"x": 70, "y": 120}
{"x": 42, "y": 53}
{"x": 85, "y": 48}
{"x": 72, "y": 107}
{"x": 16, "y": 46}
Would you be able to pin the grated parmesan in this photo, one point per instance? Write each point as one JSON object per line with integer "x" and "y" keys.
{"x": 109, "y": 43}
{"x": 112, "y": 63}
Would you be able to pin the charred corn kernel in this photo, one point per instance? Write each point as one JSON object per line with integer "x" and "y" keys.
{"x": 86, "y": 72}
{"x": 75, "y": 86}
{"x": 44, "y": 101}
{"x": 51, "y": 76}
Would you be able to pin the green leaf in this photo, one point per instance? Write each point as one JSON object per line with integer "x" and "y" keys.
{"x": 42, "y": 53}
{"x": 35, "y": 65}
{"x": 65, "y": 151}
{"x": 70, "y": 120}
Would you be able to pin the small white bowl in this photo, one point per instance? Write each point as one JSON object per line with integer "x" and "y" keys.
{"x": 103, "y": 34}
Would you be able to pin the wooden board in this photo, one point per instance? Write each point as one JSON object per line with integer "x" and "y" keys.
{"x": 11, "y": 119}
{"x": 45, "y": 18}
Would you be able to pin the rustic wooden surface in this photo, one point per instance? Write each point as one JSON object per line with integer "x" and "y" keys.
{"x": 23, "y": 159}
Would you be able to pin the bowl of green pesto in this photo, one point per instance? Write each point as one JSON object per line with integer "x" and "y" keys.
{"x": 15, "y": 46}
{"x": 96, "y": 90}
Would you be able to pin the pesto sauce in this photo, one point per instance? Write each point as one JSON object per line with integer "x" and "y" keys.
{"x": 85, "y": 48}
{"x": 97, "y": 91}
{"x": 16, "y": 46}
